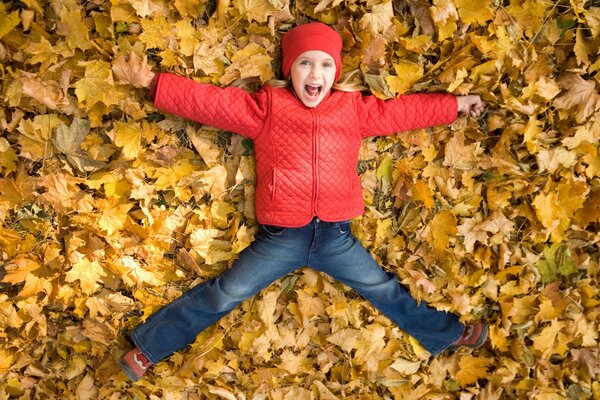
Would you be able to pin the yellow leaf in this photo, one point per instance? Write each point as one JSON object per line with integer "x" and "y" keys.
{"x": 551, "y": 160}
{"x": 499, "y": 338}
{"x": 529, "y": 15}
{"x": 252, "y": 61}
{"x": 547, "y": 88}
{"x": 460, "y": 155}
{"x": 42, "y": 52}
{"x": 7, "y": 359}
{"x": 532, "y": 131}
{"x": 88, "y": 274}
{"x": 345, "y": 338}
{"x": 8, "y": 21}
{"x": 379, "y": 19}
{"x": 86, "y": 390}
{"x": 190, "y": 8}
{"x": 128, "y": 136}
{"x": 474, "y": 11}
{"x": 97, "y": 86}
{"x": 557, "y": 204}
{"x": 406, "y": 367}
{"x": 113, "y": 214}
{"x": 156, "y": 32}
{"x": 9, "y": 241}
{"x": 546, "y": 342}
{"x": 407, "y": 74}
{"x": 255, "y": 10}
{"x": 133, "y": 273}
{"x": 145, "y": 8}
{"x": 220, "y": 211}
{"x": 471, "y": 369}
{"x": 310, "y": 306}
{"x": 439, "y": 230}
{"x": 421, "y": 192}
{"x": 75, "y": 29}
{"x": 8, "y": 158}
{"x": 19, "y": 269}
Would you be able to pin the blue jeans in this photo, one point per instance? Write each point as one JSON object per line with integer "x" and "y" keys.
{"x": 329, "y": 247}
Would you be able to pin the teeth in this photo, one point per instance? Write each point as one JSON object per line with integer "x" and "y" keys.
{"x": 313, "y": 90}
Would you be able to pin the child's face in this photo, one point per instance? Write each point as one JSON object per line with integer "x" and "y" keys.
{"x": 313, "y": 74}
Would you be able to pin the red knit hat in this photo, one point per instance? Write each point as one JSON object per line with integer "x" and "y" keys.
{"x": 312, "y": 36}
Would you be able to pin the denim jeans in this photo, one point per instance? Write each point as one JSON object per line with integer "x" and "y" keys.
{"x": 329, "y": 247}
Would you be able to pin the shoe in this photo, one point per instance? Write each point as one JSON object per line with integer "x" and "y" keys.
{"x": 134, "y": 364}
{"x": 474, "y": 336}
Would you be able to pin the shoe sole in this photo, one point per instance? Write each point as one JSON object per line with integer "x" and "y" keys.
{"x": 128, "y": 371}
{"x": 480, "y": 342}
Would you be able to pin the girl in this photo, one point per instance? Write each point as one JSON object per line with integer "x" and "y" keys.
{"x": 306, "y": 141}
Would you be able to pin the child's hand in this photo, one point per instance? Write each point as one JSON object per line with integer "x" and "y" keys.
{"x": 470, "y": 105}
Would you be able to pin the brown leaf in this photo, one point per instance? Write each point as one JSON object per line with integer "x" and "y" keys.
{"x": 581, "y": 96}
{"x": 133, "y": 70}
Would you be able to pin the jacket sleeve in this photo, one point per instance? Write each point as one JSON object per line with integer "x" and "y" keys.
{"x": 229, "y": 108}
{"x": 409, "y": 112}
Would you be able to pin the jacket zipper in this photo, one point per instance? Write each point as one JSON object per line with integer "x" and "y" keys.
{"x": 315, "y": 159}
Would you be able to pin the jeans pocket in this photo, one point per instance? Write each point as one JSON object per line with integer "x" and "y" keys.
{"x": 273, "y": 230}
{"x": 343, "y": 227}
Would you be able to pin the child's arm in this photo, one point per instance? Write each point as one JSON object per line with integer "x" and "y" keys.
{"x": 405, "y": 113}
{"x": 414, "y": 111}
{"x": 227, "y": 108}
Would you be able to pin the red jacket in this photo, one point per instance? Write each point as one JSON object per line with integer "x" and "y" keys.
{"x": 305, "y": 157}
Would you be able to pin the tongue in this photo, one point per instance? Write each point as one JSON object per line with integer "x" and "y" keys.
{"x": 312, "y": 90}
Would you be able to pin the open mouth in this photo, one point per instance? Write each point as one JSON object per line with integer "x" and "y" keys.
{"x": 313, "y": 91}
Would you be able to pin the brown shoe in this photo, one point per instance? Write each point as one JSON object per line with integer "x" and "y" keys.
{"x": 474, "y": 336}
{"x": 134, "y": 364}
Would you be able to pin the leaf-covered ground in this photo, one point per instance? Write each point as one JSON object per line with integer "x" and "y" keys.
{"x": 110, "y": 209}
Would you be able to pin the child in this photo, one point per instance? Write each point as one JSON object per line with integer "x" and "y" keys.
{"x": 306, "y": 141}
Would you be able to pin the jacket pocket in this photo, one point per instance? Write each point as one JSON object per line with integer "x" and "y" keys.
{"x": 273, "y": 184}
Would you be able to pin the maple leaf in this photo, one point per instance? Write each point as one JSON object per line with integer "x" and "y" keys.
{"x": 460, "y": 155}
{"x": 439, "y": 230}
{"x": 255, "y": 10}
{"x": 113, "y": 214}
{"x": 96, "y": 86}
{"x": 61, "y": 191}
{"x": 21, "y": 270}
{"x": 556, "y": 206}
{"x": 68, "y": 141}
{"x": 127, "y": 135}
{"x": 8, "y": 21}
{"x": 474, "y": 11}
{"x": 88, "y": 273}
{"x": 133, "y": 70}
{"x": 46, "y": 92}
{"x": 471, "y": 369}
{"x": 581, "y": 95}
{"x": 407, "y": 74}
{"x": 379, "y": 19}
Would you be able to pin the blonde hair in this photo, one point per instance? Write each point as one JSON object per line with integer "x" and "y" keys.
{"x": 350, "y": 82}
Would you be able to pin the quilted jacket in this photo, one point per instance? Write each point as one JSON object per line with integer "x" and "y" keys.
{"x": 305, "y": 157}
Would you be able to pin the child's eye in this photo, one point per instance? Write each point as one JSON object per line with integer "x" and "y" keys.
{"x": 304, "y": 62}
{"x": 327, "y": 65}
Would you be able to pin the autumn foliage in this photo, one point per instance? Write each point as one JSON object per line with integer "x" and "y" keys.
{"x": 111, "y": 209}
